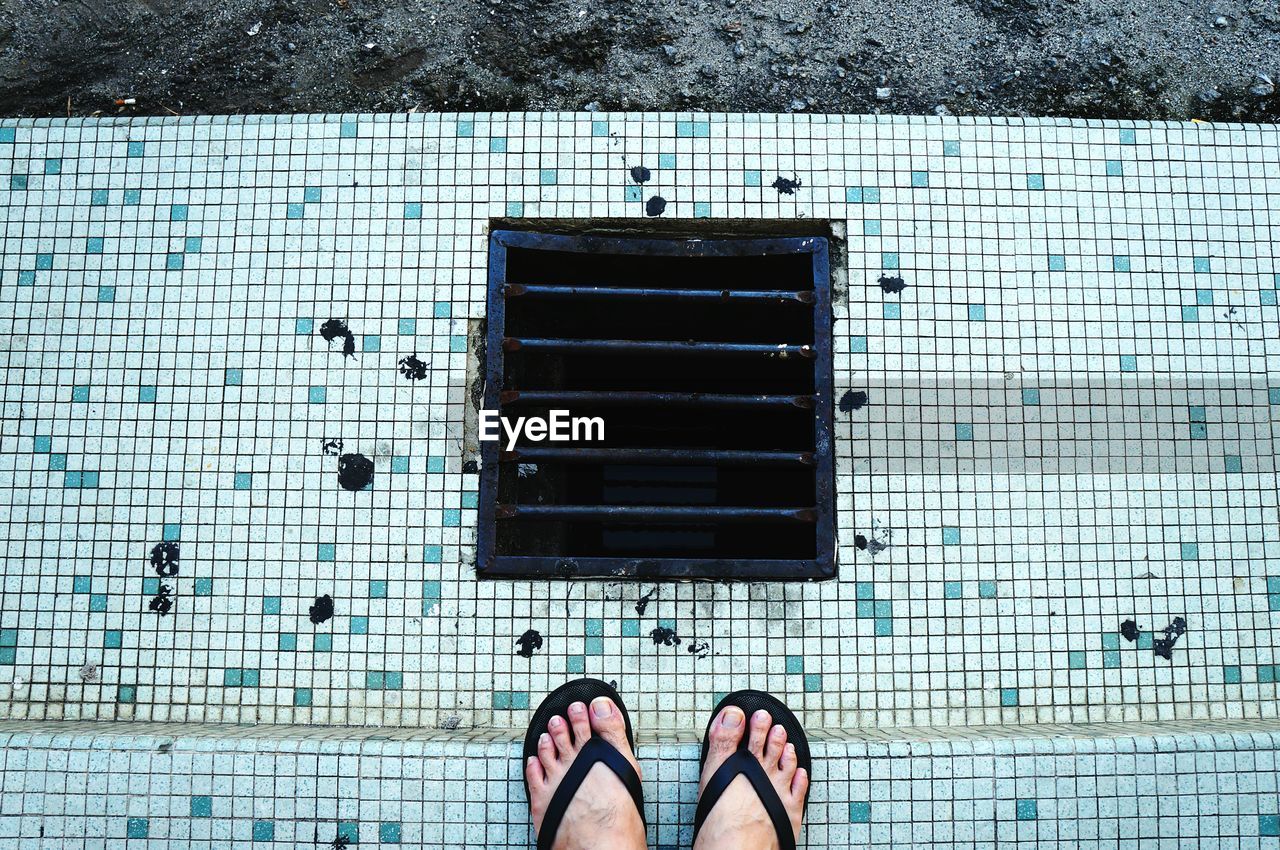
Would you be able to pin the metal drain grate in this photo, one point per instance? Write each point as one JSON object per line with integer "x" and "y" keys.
{"x": 709, "y": 362}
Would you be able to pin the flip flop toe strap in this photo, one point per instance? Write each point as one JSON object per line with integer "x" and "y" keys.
{"x": 744, "y": 763}
{"x": 594, "y": 751}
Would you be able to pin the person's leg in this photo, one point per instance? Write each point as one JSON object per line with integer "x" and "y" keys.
{"x": 739, "y": 819}
{"x": 602, "y": 814}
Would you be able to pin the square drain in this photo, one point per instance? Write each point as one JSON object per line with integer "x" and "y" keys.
{"x": 706, "y": 362}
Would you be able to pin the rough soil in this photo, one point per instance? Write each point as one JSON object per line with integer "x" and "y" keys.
{"x": 1150, "y": 59}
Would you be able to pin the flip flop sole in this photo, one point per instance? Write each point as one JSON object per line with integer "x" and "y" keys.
{"x": 558, "y": 702}
{"x": 751, "y": 701}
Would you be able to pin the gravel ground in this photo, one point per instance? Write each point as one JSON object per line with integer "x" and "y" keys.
{"x": 1152, "y": 59}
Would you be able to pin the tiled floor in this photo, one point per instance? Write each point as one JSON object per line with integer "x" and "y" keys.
{"x": 164, "y": 786}
{"x": 1069, "y": 424}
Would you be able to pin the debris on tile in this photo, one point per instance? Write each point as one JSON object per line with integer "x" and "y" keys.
{"x": 663, "y": 636}
{"x": 528, "y": 643}
{"x": 785, "y": 185}
{"x": 892, "y": 285}
{"x": 355, "y": 471}
{"x": 321, "y": 610}
{"x": 643, "y": 604}
{"x": 337, "y": 329}
{"x": 853, "y": 400}
{"x": 412, "y": 368}
{"x": 1163, "y": 647}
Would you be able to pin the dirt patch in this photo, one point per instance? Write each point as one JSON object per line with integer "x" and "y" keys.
{"x": 1162, "y": 59}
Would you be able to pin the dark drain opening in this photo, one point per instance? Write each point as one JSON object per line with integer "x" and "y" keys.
{"x": 710, "y": 363}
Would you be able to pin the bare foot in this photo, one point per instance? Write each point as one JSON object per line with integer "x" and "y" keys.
{"x": 602, "y": 813}
{"x": 739, "y": 819}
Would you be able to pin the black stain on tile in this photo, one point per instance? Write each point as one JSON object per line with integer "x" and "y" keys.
{"x": 413, "y": 368}
{"x": 785, "y": 186}
{"x": 892, "y": 285}
{"x": 853, "y": 400}
{"x": 471, "y": 467}
{"x": 529, "y": 643}
{"x": 340, "y": 843}
{"x": 335, "y": 328}
{"x": 164, "y": 559}
{"x": 640, "y": 174}
{"x": 162, "y": 602}
{"x": 870, "y": 545}
{"x": 321, "y": 610}
{"x": 655, "y": 206}
{"x": 646, "y": 599}
{"x": 1129, "y": 629}
{"x": 662, "y": 636}
{"x": 331, "y": 447}
{"x": 698, "y": 648}
{"x": 1163, "y": 647}
{"x": 355, "y": 471}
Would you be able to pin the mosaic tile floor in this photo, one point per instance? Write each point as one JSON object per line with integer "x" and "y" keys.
{"x": 1063, "y": 469}
{"x": 162, "y": 785}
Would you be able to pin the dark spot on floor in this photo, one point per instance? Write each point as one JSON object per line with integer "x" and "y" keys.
{"x": 162, "y": 602}
{"x": 1130, "y": 630}
{"x": 870, "y": 545}
{"x": 662, "y": 636}
{"x": 646, "y": 599}
{"x": 321, "y": 610}
{"x": 413, "y": 368}
{"x": 892, "y": 285}
{"x": 528, "y": 643}
{"x": 785, "y": 186}
{"x": 853, "y": 400}
{"x": 355, "y": 471}
{"x": 164, "y": 559}
{"x": 1163, "y": 647}
{"x": 640, "y": 174}
{"x": 698, "y": 648}
{"x": 471, "y": 467}
{"x": 655, "y": 206}
{"x": 331, "y": 447}
{"x": 335, "y": 328}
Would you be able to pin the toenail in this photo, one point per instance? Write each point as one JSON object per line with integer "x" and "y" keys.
{"x": 556, "y": 721}
{"x": 577, "y": 708}
{"x": 601, "y": 707}
{"x": 731, "y": 719}
{"x": 544, "y": 738}
{"x": 761, "y": 716}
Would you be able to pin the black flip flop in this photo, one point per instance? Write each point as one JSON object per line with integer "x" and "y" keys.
{"x": 744, "y": 763}
{"x": 597, "y": 749}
